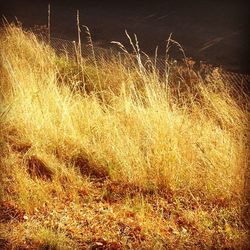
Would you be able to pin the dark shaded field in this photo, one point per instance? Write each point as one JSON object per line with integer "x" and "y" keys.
{"x": 211, "y": 31}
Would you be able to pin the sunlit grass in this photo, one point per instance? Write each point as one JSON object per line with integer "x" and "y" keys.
{"x": 70, "y": 131}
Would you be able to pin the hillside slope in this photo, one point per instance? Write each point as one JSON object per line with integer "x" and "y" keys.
{"x": 108, "y": 154}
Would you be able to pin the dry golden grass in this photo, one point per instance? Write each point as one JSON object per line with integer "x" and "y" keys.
{"x": 113, "y": 155}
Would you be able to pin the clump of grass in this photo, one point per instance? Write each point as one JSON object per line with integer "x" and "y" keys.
{"x": 33, "y": 235}
{"x": 65, "y": 129}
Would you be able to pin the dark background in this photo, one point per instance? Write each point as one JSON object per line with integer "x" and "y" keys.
{"x": 212, "y": 31}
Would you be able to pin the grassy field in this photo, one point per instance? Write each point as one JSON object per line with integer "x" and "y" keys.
{"x": 112, "y": 154}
